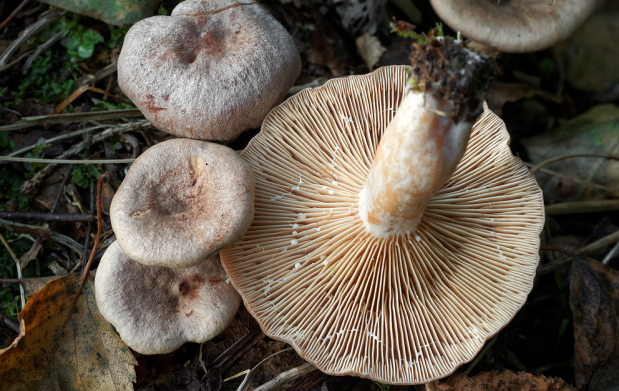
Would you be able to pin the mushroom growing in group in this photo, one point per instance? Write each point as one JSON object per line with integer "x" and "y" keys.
{"x": 515, "y": 26}
{"x": 156, "y": 309}
{"x": 368, "y": 253}
{"x": 211, "y": 70}
{"x": 181, "y": 202}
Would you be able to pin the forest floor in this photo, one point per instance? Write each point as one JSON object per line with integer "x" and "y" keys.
{"x": 556, "y": 102}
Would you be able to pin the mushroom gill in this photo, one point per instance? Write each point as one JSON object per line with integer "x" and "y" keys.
{"x": 403, "y": 309}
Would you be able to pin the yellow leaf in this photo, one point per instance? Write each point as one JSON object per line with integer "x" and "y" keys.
{"x": 88, "y": 355}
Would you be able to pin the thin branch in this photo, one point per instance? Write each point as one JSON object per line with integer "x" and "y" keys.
{"x": 54, "y": 139}
{"x": 10, "y": 324}
{"x": 547, "y": 162}
{"x": 13, "y": 14}
{"x": 29, "y": 32}
{"x": 28, "y": 122}
{"x": 35, "y": 181}
{"x": 570, "y": 208}
{"x": 17, "y": 265}
{"x": 610, "y": 254}
{"x": 284, "y": 377}
{"x": 92, "y": 254}
{"x": 18, "y": 228}
{"x": 40, "y": 49}
{"x": 591, "y": 248}
{"x": 65, "y": 161}
{"x": 100, "y": 74}
{"x": 46, "y": 217}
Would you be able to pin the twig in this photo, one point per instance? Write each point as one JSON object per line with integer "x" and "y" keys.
{"x": 547, "y": 162}
{"x": 312, "y": 381}
{"x": 92, "y": 255}
{"x": 66, "y": 161}
{"x": 591, "y": 248}
{"x": 21, "y": 288}
{"x": 15, "y": 12}
{"x": 28, "y": 33}
{"x": 40, "y": 49}
{"x": 481, "y": 355}
{"x": 25, "y": 259}
{"x": 100, "y": 74}
{"x": 247, "y": 381}
{"x": 238, "y": 345}
{"x": 47, "y": 217}
{"x": 34, "y": 182}
{"x": 54, "y": 139}
{"x": 10, "y": 324}
{"x": 77, "y": 93}
{"x": 287, "y": 376}
{"x": 570, "y": 208}
{"x": 89, "y": 230}
{"x": 17, "y": 60}
{"x": 12, "y": 280}
{"x": 13, "y": 227}
{"x": 28, "y": 122}
{"x": 610, "y": 254}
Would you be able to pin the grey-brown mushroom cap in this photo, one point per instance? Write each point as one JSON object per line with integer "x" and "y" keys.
{"x": 211, "y": 70}
{"x": 514, "y": 26}
{"x": 406, "y": 309}
{"x": 182, "y": 201}
{"x": 156, "y": 309}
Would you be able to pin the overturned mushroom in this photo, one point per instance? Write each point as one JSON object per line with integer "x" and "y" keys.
{"x": 211, "y": 70}
{"x": 368, "y": 253}
{"x": 181, "y": 202}
{"x": 515, "y": 26}
{"x": 156, "y": 309}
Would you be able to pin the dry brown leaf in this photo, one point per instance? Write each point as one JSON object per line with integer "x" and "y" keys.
{"x": 34, "y": 285}
{"x": 504, "y": 381}
{"x": 500, "y": 93}
{"x": 370, "y": 49}
{"x": 595, "y": 131}
{"x": 594, "y": 299}
{"x": 89, "y": 353}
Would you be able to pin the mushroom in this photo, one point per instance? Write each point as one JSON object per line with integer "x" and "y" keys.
{"x": 156, "y": 309}
{"x": 181, "y": 202}
{"x": 515, "y": 26}
{"x": 211, "y": 70}
{"x": 367, "y": 253}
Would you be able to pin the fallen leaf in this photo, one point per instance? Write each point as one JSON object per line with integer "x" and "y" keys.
{"x": 592, "y": 54}
{"x": 594, "y": 299}
{"x": 504, "y": 381}
{"x": 594, "y": 132}
{"x": 88, "y": 355}
{"x": 500, "y": 93}
{"x": 370, "y": 49}
{"x": 116, "y": 12}
{"x": 34, "y": 285}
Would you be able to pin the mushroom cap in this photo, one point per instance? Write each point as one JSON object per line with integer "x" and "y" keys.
{"x": 181, "y": 202}
{"x": 401, "y": 310}
{"x": 514, "y": 26}
{"x": 156, "y": 309}
{"x": 211, "y": 70}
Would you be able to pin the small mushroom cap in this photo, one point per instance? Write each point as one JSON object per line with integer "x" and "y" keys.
{"x": 211, "y": 70}
{"x": 406, "y": 309}
{"x": 514, "y": 26}
{"x": 181, "y": 202}
{"x": 156, "y": 309}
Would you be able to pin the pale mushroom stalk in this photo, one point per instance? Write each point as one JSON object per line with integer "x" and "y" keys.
{"x": 419, "y": 152}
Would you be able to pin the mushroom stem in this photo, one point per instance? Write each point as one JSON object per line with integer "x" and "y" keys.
{"x": 418, "y": 153}
{"x": 426, "y": 139}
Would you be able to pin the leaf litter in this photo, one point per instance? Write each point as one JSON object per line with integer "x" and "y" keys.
{"x": 88, "y": 355}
